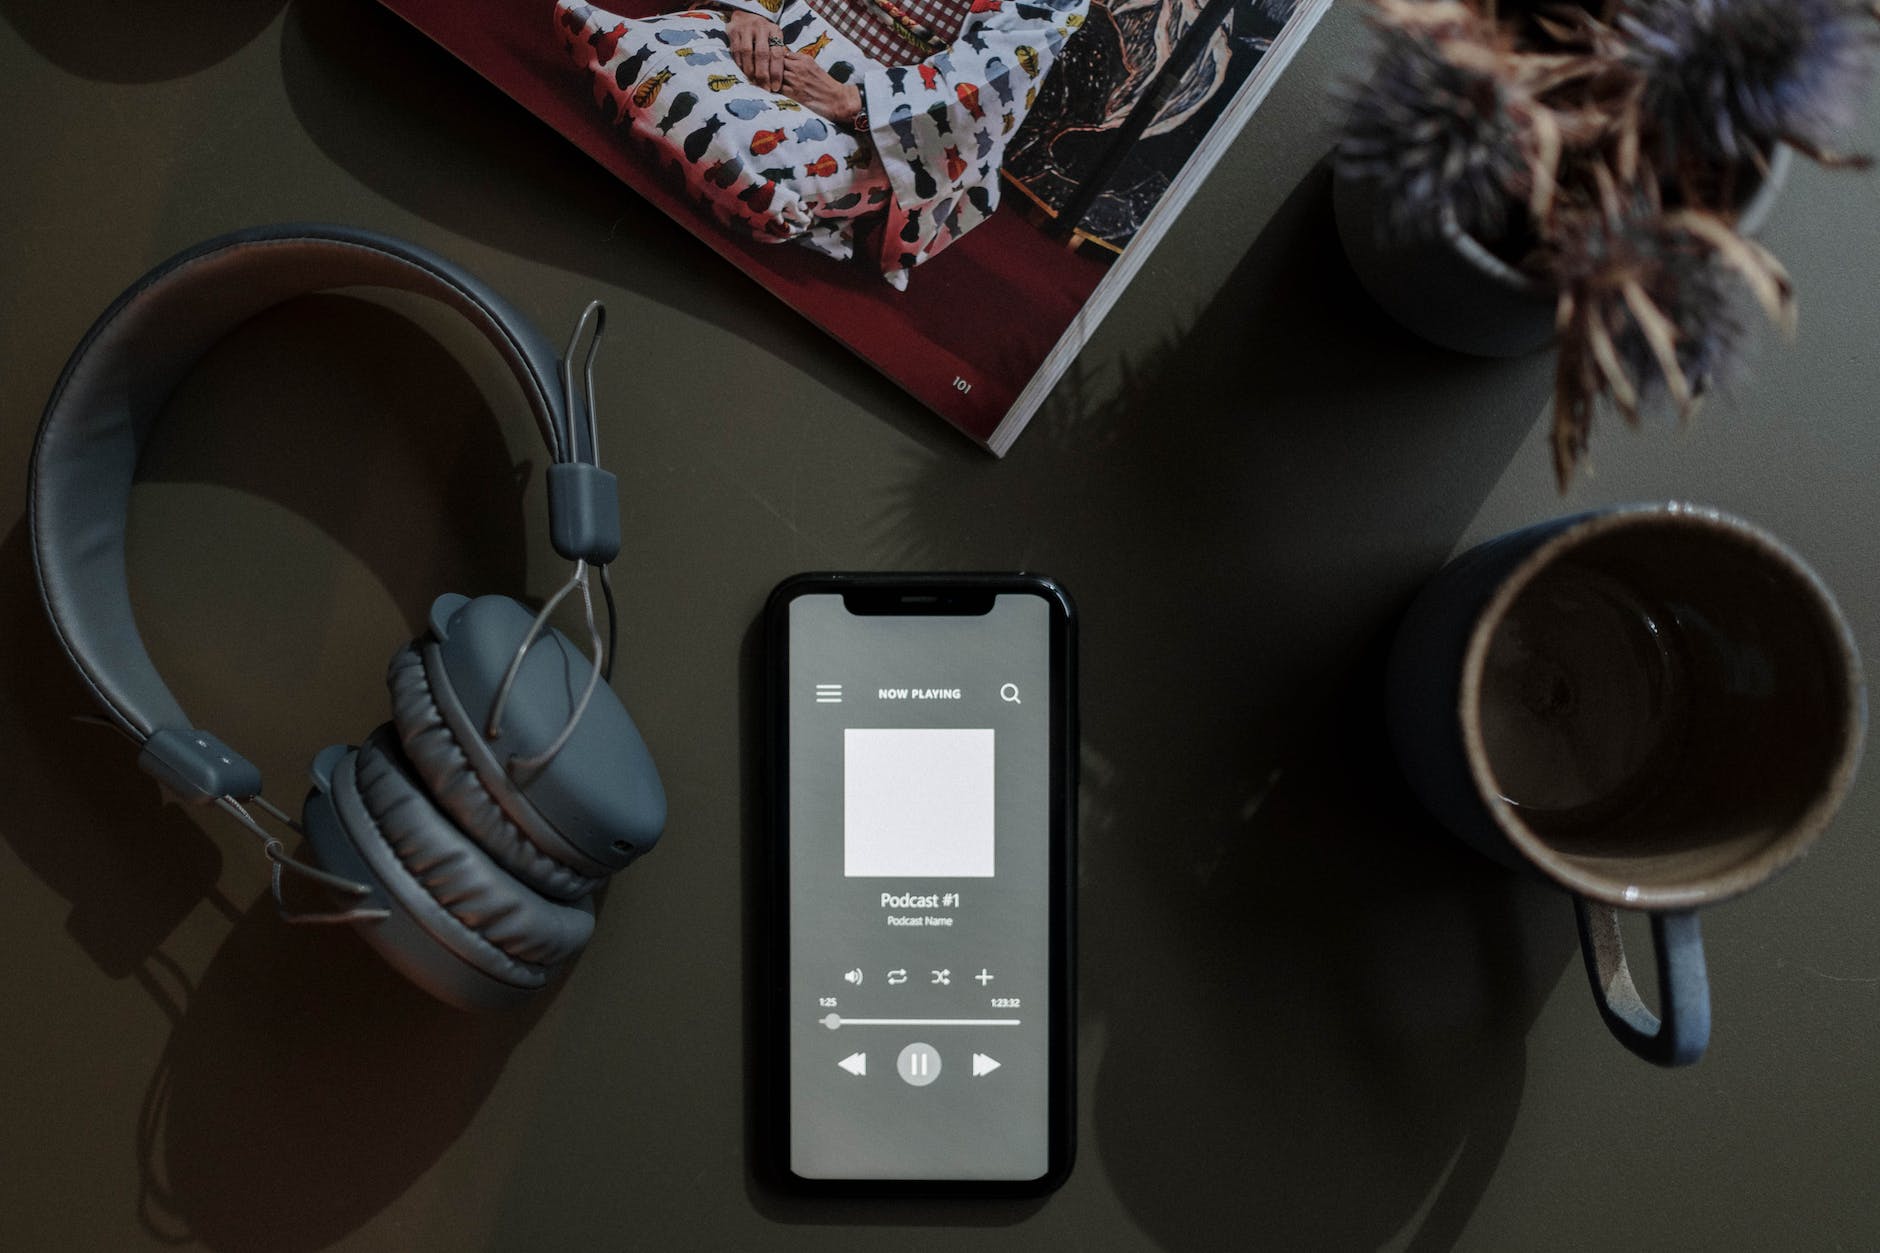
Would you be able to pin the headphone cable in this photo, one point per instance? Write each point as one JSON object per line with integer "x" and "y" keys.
{"x": 275, "y": 850}
{"x": 277, "y": 853}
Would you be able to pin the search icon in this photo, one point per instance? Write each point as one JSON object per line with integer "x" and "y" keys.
{"x": 1010, "y": 692}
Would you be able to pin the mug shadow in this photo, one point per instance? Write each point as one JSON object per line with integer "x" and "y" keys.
{"x": 1321, "y": 1036}
{"x": 275, "y": 1119}
{"x": 1303, "y": 1007}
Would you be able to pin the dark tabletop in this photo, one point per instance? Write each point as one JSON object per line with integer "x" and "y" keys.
{"x": 1307, "y": 1019}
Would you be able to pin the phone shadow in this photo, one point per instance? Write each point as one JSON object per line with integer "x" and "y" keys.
{"x": 769, "y": 1195}
{"x": 1303, "y": 1008}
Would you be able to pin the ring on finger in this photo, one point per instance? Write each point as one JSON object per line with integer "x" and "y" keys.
{"x": 776, "y": 42}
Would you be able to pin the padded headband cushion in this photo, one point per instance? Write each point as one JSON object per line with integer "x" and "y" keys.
{"x": 123, "y": 371}
{"x": 520, "y": 847}
{"x": 466, "y": 900}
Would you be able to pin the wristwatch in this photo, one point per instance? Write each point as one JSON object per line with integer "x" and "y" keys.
{"x": 859, "y": 123}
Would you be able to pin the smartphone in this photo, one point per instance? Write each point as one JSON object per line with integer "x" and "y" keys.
{"x": 920, "y": 981}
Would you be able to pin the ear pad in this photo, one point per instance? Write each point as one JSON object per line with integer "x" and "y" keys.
{"x": 598, "y": 803}
{"x": 514, "y": 834}
{"x": 463, "y": 901}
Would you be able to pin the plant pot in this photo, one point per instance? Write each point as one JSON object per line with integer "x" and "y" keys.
{"x": 1455, "y": 293}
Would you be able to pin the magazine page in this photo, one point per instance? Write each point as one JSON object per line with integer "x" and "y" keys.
{"x": 954, "y": 189}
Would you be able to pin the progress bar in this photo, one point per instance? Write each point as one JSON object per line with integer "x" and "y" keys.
{"x": 832, "y": 1021}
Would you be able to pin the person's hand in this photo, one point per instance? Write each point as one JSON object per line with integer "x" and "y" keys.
{"x": 810, "y": 85}
{"x": 758, "y": 48}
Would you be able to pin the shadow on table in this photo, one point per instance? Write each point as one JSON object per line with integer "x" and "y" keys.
{"x": 305, "y": 1086}
{"x": 1318, "y": 1032}
{"x": 138, "y": 41}
{"x": 1303, "y": 1007}
{"x": 79, "y": 814}
{"x": 417, "y": 126}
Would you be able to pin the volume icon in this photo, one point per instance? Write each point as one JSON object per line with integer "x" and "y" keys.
{"x": 854, "y": 976}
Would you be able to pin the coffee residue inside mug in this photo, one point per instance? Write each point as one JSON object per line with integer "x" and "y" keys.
{"x": 1585, "y": 695}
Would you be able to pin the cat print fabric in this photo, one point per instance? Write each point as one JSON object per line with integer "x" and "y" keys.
{"x": 762, "y": 164}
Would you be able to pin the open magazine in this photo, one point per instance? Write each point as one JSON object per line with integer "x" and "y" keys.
{"x": 957, "y": 190}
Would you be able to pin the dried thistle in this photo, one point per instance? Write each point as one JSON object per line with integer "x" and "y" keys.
{"x": 1444, "y": 124}
{"x": 1578, "y": 109}
{"x": 1650, "y": 308}
{"x": 1729, "y": 79}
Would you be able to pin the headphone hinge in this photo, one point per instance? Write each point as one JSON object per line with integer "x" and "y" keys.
{"x": 198, "y": 767}
{"x": 584, "y": 513}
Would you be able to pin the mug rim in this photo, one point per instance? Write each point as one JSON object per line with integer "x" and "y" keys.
{"x": 1766, "y": 862}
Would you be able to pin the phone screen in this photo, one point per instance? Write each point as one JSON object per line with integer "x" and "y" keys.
{"x": 919, "y": 862}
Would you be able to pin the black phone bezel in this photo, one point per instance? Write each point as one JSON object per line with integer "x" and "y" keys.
{"x": 926, "y": 593}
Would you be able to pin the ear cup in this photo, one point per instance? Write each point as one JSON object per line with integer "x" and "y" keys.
{"x": 599, "y": 793}
{"x": 517, "y": 837}
{"x": 468, "y": 903}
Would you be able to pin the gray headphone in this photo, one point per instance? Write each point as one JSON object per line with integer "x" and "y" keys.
{"x": 472, "y": 828}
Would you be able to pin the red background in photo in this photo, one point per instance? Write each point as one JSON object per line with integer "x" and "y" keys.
{"x": 987, "y": 310}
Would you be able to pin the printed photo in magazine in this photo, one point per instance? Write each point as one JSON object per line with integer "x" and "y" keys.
{"x": 954, "y": 189}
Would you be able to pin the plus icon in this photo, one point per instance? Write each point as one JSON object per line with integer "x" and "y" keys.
{"x": 984, "y": 976}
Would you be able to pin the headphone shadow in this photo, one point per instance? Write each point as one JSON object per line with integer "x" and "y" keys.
{"x": 85, "y": 823}
{"x": 134, "y": 41}
{"x": 304, "y": 1085}
{"x": 305, "y": 1089}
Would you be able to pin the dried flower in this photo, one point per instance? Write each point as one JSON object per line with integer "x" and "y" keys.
{"x": 1578, "y": 109}
{"x": 1441, "y": 126}
{"x": 1651, "y": 308}
{"x": 1728, "y": 79}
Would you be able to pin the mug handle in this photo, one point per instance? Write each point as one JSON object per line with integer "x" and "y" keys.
{"x": 1683, "y": 986}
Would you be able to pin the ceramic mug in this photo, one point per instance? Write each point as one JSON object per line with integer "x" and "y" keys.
{"x": 1657, "y": 707}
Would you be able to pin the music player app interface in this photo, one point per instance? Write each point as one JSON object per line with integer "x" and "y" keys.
{"x": 919, "y": 863}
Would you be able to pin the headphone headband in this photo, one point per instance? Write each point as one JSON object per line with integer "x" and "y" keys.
{"x": 116, "y": 382}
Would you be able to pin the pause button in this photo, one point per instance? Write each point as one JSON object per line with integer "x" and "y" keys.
{"x": 919, "y": 1064}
